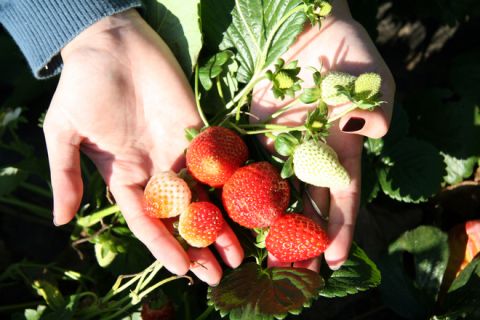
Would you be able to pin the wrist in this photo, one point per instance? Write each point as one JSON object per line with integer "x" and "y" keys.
{"x": 105, "y": 34}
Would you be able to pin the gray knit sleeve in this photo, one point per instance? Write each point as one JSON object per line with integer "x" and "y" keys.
{"x": 41, "y": 28}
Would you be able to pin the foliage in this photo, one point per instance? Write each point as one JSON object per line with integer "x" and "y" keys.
{"x": 95, "y": 267}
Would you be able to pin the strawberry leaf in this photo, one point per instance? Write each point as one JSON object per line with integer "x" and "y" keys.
{"x": 178, "y": 23}
{"x": 413, "y": 170}
{"x": 458, "y": 169}
{"x": 287, "y": 169}
{"x": 285, "y": 143}
{"x": 358, "y": 273}
{"x": 254, "y": 22}
{"x": 413, "y": 271}
{"x": 214, "y": 67}
{"x": 251, "y": 292}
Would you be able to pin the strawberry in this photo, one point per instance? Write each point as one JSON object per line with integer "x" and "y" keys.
{"x": 367, "y": 85}
{"x": 294, "y": 237}
{"x": 330, "y": 94}
{"x": 163, "y": 312}
{"x": 215, "y": 154}
{"x": 166, "y": 195}
{"x": 316, "y": 163}
{"x": 255, "y": 195}
{"x": 200, "y": 224}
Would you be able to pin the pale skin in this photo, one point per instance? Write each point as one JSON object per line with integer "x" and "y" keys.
{"x": 123, "y": 100}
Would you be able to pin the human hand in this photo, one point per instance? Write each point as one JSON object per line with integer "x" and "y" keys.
{"x": 123, "y": 100}
{"x": 341, "y": 45}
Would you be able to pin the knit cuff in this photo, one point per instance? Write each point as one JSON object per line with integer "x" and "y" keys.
{"x": 42, "y": 28}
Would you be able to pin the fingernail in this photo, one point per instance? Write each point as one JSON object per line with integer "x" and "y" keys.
{"x": 353, "y": 124}
{"x": 54, "y": 222}
{"x": 334, "y": 268}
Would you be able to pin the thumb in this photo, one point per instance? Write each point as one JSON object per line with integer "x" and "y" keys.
{"x": 64, "y": 159}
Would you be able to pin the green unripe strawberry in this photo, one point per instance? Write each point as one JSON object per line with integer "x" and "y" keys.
{"x": 317, "y": 163}
{"x": 330, "y": 94}
{"x": 367, "y": 85}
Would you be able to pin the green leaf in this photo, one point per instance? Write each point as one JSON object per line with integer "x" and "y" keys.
{"x": 464, "y": 276}
{"x": 429, "y": 246}
{"x": 50, "y": 293}
{"x": 287, "y": 169}
{"x": 104, "y": 254}
{"x": 191, "y": 133}
{"x": 458, "y": 169}
{"x": 178, "y": 23}
{"x": 213, "y": 68}
{"x": 250, "y": 292}
{"x": 10, "y": 178}
{"x": 358, "y": 273}
{"x": 373, "y": 146}
{"x": 34, "y": 314}
{"x": 413, "y": 171}
{"x": 310, "y": 95}
{"x": 254, "y": 22}
{"x": 463, "y": 298}
{"x": 285, "y": 143}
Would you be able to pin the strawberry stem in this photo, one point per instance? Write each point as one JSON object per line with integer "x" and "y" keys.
{"x": 197, "y": 99}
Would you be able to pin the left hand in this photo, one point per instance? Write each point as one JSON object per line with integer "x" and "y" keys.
{"x": 341, "y": 45}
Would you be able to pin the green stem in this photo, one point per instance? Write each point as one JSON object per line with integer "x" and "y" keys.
{"x": 206, "y": 313}
{"x": 282, "y": 110}
{"x": 37, "y": 210}
{"x": 197, "y": 99}
{"x": 90, "y": 220}
{"x": 38, "y": 190}
{"x": 338, "y": 116}
{"x": 287, "y": 129}
{"x": 220, "y": 90}
{"x": 154, "y": 272}
{"x": 160, "y": 283}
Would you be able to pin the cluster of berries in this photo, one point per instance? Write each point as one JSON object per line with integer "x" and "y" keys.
{"x": 254, "y": 196}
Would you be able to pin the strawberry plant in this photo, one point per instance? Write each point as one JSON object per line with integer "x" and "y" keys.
{"x": 428, "y": 163}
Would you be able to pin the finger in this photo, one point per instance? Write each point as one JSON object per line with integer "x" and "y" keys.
{"x": 228, "y": 247}
{"x": 205, "y": 266}
{"x": 343, "y": 210}
{"x": 64, "y": 160}
{"x": 151, "y": 231}
{"x": 310, "y": 264}
{"x": 272, "y": 261}
{"x": 373, "y": 124}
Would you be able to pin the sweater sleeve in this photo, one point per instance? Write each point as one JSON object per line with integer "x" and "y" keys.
{"x": 41, "y": 28}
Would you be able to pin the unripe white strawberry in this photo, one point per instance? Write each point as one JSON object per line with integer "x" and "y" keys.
{"x": 317, "y": 163}
{"x": 166, "y": 195}
{"x": 330, "y": 94}
{"x": 367, "y": 85}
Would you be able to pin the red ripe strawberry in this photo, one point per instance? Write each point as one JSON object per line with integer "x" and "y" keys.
{"x": 215, "y": 154}
{"x": 294, "y": 237}
{"x": 200, "y": 224}
{"x": 256, "y": 195}
{"x": 166, "y": 195}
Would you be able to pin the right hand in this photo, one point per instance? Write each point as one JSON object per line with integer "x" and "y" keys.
{"x": 123, "y": 100}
